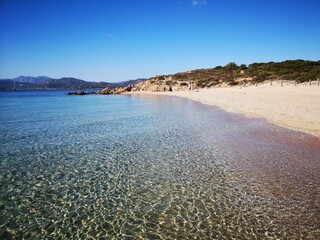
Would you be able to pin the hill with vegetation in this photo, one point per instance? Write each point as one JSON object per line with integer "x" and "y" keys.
{"x": 233, "y": 74}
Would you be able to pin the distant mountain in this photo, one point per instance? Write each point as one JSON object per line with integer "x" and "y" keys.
{"x": 41, "y": 82}
{"x": 8, "y": 84}
{"x": 28, "y": 79}
{"x": 65, "y": 82}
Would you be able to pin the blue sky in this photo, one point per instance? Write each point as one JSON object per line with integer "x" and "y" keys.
{"x": 128, "y": 39}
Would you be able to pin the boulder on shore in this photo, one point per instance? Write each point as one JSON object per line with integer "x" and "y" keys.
{"x": 118, "y": 90}
{"x": 105, "y": 91}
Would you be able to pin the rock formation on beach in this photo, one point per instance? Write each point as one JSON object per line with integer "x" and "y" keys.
{"x": 117, "y": 90}
{"x": 104, "y": 91}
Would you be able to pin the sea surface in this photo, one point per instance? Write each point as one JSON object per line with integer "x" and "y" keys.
{"x": 150, "y": 167}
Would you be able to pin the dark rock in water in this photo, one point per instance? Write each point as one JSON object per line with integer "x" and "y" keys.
{"x": 80, "y": 93}
{"x": 77, "y": 93}
{"x": 106, "y": 90}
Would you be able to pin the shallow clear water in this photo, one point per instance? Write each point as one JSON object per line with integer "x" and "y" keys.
{"x": 129, "y": 167}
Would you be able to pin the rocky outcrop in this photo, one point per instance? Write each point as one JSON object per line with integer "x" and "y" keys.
{"x": 161, "y": 84}
{"x": 118, "y": 90}
{"x": 105, "y": 91}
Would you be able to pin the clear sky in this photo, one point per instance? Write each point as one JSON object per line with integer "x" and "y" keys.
{"x": 115, "y": 40}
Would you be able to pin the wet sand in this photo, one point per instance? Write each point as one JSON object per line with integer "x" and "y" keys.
{"x": 293, "y": 107}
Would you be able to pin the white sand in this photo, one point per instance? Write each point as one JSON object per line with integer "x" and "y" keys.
{"x": 294, "y": 107}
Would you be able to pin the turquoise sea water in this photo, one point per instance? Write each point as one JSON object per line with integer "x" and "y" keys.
{"x": 130, "y": 167}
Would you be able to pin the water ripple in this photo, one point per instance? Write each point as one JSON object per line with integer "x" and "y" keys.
{"x": 164, "y": 173}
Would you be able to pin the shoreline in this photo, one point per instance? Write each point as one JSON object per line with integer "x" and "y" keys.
{"x": 293, "y": 107}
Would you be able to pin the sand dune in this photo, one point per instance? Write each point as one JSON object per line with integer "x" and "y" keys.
{"x": 294, "y": 107}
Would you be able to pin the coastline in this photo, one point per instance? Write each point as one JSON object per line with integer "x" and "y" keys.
{"x": 289, "y": 106}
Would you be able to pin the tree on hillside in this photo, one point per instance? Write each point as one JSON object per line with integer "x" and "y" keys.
{"x": 231, "y": 66}
{"x": 243, "y": 67}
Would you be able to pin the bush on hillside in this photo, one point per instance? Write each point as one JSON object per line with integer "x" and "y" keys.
{"x": 231, "y": 66}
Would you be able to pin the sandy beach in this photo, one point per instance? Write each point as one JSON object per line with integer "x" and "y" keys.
{"x": 293, "y": 107}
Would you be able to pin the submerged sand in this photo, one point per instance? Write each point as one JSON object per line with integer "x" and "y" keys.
{"x": 294, "y": 107}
